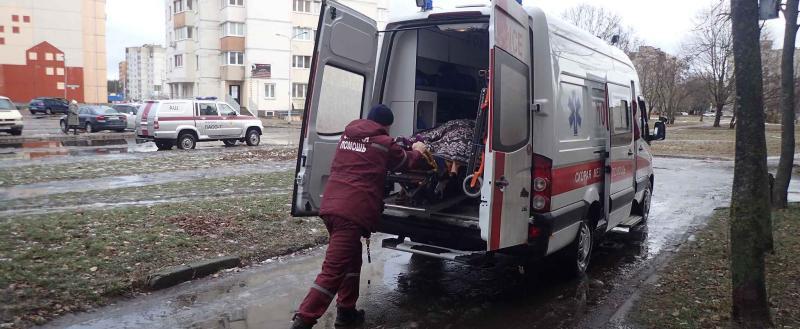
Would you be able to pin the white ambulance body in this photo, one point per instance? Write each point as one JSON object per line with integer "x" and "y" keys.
{"x": 184, "y": 122}
{"x": 566, "y": 157}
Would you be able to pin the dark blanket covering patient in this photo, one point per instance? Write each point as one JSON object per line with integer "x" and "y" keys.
{"x": 450, "y": 140}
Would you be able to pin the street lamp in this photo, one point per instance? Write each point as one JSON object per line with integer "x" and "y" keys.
{"x": 291, "y": 84}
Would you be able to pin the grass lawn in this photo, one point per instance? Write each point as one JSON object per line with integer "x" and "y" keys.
{"x": 694, "y": 289}
{"x": 713, "y": 142}
{"x": 57, "y": 263}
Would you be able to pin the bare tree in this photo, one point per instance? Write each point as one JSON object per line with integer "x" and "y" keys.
{"x": 711, "y": 47}
{"x": 784, "y": 173}
{"x": 603, "y": 24}
{"x": 662, "y": 77}
{"x": 750, "y": 222}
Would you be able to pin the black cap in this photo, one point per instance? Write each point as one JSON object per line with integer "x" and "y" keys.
{"x": 381, "y": 114}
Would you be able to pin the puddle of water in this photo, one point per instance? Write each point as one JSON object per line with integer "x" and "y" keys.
{"x": 107, "y": 183}
{"x": 49, "y": 149}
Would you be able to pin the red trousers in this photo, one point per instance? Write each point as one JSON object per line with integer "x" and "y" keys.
{"x": 340, "y": 270}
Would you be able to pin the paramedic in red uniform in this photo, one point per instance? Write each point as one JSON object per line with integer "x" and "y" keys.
{"x": 352, "y": 204}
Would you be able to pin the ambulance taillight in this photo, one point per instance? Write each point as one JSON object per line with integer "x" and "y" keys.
{"x": 542, "y": 183}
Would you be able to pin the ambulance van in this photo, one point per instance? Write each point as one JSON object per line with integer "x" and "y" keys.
{"x": 560, "y": 150}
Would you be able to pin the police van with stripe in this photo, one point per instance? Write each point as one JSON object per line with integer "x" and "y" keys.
{"x": 184, "y": 122}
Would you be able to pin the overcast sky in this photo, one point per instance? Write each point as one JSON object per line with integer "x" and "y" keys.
{"x": 662, "y": 23}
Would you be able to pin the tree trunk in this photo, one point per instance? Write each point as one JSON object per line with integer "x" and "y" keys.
{"x": 750, "y": 207}
{"x": 784, "y": 173}
{"x": 718, "y": 116}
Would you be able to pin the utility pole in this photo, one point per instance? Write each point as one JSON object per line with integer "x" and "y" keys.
{"x": 291, "y": 68}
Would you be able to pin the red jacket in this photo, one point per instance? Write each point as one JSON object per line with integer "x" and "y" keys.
{"x": 356, "y": 185}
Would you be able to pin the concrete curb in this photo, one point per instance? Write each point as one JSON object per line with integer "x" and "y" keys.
{"x": 171, "y": 276}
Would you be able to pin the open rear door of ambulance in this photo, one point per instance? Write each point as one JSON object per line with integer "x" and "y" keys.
{"x": 505, "y": 206}
{"x": 342, "y": 76}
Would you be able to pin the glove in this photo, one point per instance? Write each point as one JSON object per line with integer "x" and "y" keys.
{"x": 419, "y": 147}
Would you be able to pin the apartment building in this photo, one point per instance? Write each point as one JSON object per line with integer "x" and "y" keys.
{"x": 53, "y": 48}
{"x": 123, "y": 76}
{"x": 255, "y": 52}
{"x": 146, "y": 72}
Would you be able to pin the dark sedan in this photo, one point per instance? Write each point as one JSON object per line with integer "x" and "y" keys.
{"x": 94, "y": 118}
{"x": 48, "y": 105}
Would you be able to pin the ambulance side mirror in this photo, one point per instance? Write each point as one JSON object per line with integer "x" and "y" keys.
{"x": 659, "y": 132}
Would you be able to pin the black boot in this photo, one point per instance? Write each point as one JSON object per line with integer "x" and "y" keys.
{"x": 346, "y": 317}
{"x": 298, "y": 323}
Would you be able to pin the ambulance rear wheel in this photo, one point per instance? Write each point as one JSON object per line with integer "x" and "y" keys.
{"x": 229, "y": 142}
{"x": 574, "y": 259}
{"x": 253, "y": 138}
{"x": 187, "y": 142}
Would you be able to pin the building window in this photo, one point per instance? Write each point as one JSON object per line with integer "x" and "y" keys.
{"x": 15, "y": 18}
{"x": 301, "y": 62}
{"x": 48, "y": 71}
{"x": 33, "y": 56}
{"x": 232, "y": 3}
{"x": 233, "y": 29}
{"x": 303, "y": 33}
{"x": 60, "y": 57}
{"x": 178, "y": 60}
{"x": 60, "y": 85}
{"x": 48, "y": 56}
{"x": 197, "y": 62}
{"x": 188, "y": 4}
{"x": 233, "y": 58}
{"x": 26, "y": 19}
{"x": 2, "y": 41}
{"x": 15, "y": 29}
{"x": 269, "y": 90}
{"x": 299, "y": 90}
{"x": 59, "y": 71}
{"x": 2, "y": 28}
{"x": 178, "y": 5}
{"x": 303, "y": 6}
{"x": 183, "y": 33}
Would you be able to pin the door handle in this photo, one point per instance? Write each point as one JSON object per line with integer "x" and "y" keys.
{"x": 630, "y": 152}
{"x": 501, "y": 183}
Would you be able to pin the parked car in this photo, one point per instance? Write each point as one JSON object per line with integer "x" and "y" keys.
{"x": 48, "y": 105}
{"x": 184, "y": 122}
{"x": 129, "y": 110}
{"x": 94, "y": 118}
{"x": 10, "y": 118}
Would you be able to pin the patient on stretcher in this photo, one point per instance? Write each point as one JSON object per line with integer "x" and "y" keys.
{"x": 449, "y": 147}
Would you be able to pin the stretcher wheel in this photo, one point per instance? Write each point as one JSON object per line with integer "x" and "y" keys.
{"x": 472, "y": 191}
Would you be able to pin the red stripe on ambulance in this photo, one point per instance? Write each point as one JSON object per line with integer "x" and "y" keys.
{"x": 497, "y": 202}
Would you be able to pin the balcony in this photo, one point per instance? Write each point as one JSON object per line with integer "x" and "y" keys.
{"x": 232, "y": 72}
{"x": 186, "y": 18}
{"x": 231, "y": 43}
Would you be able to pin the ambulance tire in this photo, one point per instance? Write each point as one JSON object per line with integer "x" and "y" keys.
{"x": 187, "y": 141}
{"x": 253, "y": 138}
{"x": 643, "y": 208}
{"x": 574, "y": 259}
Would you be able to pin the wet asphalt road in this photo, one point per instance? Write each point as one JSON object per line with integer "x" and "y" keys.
{"x": 403, "y": 291}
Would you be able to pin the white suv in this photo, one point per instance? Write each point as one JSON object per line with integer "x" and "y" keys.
{"x": 10, "y": 118}
{"x": 184, "y": 122}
